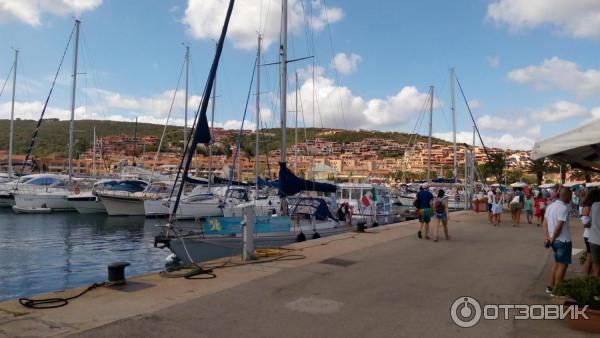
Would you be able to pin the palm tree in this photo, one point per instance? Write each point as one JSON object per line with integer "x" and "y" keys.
{"x": 537, "y": 167}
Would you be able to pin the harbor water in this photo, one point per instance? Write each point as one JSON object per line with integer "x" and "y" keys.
{"x": 52, "y": 252}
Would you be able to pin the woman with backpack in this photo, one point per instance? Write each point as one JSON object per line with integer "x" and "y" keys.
{"x": 440, "y": 209}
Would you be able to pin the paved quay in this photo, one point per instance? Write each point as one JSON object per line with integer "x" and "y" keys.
{"x": 385, "y": 283}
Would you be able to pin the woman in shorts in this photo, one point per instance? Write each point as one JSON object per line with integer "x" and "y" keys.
{"x": 440, "y": 209}
{"x": 497, "y": 205}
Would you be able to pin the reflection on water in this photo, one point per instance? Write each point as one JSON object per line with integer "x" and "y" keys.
{"x": 52, "y": 252}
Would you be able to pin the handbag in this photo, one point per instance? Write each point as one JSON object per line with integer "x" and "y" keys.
{"x": 515, "y": 200}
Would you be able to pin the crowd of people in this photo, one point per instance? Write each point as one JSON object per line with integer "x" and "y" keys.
{"x": 550, "y": 208}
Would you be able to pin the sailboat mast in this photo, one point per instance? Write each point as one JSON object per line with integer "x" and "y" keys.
{"x": 73, "y": 90}
{"x": 283, "y": 82}
{"x": 453, "y": 100}
{"x": 12, "y": 117}
{"x": 429, "y": 138}
{"x": 296, "y": 128}
{"x": 256, "y": 151}
{"x": 94, "y": 155}
{"x": 135, "y": 142}
{"x": 185, "y": 109}
{"x": 212, "y": 124}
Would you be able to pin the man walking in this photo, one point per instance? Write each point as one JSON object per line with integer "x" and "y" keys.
{"x": 423, "y": 204}
{"x": 558, "y": 236}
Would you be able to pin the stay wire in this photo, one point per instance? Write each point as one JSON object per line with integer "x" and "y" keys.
{"x": 39, "y": 123}
{"x": 7, "y": 77}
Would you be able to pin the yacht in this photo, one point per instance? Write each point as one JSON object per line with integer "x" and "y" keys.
{"x": 125, "y": 198}
{"x": 199, "y": 203}
{"x": 371, "y": 203}
{"x": 42, "y": 191}
{"x": 87, "y": 202}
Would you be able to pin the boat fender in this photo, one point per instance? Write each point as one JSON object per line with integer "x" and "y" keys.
{"x": 316, "y": 235}
{"x": 301, "y": 237}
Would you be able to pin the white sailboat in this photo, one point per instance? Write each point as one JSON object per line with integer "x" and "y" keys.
{"x": 54, "y": 196}
{"x": 221, "y": 236}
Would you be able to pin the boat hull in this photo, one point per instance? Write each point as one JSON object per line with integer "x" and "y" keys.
{"x": 201, "y": 209}
{"x": 123, "y": 206}
{"x": 7, "y": 200}
{"x": 87, "y": 205}
{"x": 205, "y": 249}
{"x": 156, "y": 208}
{"x": 54, "y": 201}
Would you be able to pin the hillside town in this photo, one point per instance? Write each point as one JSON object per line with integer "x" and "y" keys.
{"x": 323, "y": 159}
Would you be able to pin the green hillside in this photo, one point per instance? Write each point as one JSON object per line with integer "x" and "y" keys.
{"x": 53, "y": 137}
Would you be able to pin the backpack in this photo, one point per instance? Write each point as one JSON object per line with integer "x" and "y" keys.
{"x": 439, "y": 208}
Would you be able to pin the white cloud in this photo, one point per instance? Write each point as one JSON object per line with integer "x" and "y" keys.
{"x": 204, "y": 19}
{"x": 576, "y": 18}
{"x": 346, "y": 64}
{"x": 500, "y": 124}
{"x": 475, "y": 104}
{"x": 337, "y": 107}
{"x": 558, "y": 73}
{"x": 559, "y": 111}
{"x": 505, "y": 141}
{"x": 493, "y": 61}
{"x": 31, "y": 11}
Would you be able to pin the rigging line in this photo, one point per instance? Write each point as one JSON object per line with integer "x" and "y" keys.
{"x": 39, "y": 123}
{"x": 239, "y": 138}
{"x": 337, "y": 80}
{"x": 167, "y": 122}
{"x": 7, "y": 77}
{"x": 185, "y": 148}
{"x": 487, "y": 154}
{"x": 310, "y": 40}
{"x": 92, "y": 70}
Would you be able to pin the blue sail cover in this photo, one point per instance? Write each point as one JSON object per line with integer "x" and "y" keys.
{"x": 290, "y": 184}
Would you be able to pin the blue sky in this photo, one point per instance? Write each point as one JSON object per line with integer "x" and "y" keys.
{"x": 530, "y": 69}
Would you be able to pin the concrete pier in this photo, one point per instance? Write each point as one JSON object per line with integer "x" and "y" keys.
{"x": 382, "y": 283}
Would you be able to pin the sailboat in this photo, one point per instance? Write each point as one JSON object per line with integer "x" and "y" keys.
{"x": 53, "y": 194}
{"x": 221, "y": 236}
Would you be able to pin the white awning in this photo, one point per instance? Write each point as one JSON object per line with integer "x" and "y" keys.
{"x": 579, "y": 147}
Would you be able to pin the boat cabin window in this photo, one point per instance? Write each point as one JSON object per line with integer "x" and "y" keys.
{"x": 345, "y": 193}
{"x": 45, "y": 181}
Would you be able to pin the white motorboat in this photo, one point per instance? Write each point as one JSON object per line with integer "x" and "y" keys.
{"x": 125, "y": 198}
{"x": 87, "y": 202}
{"x": 43, "y": 191}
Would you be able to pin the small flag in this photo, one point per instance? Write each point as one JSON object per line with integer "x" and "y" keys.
{"x": 365, "y": 200}
{"x": 373, "y": 194}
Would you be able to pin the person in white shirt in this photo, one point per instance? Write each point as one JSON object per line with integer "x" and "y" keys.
{"x": 558, "y": 236}
{"x": 490, "y": 201}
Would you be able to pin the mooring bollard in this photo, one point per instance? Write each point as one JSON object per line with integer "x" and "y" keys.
{"x": 116, "y": 273}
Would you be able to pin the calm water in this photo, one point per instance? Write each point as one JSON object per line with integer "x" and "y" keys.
{"x": 41, "y": 253}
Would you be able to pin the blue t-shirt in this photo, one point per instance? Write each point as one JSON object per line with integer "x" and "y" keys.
{"x": 424, "y": 198}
